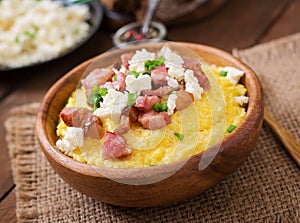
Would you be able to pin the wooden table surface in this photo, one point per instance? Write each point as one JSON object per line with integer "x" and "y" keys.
{"x": 238, "y": 24}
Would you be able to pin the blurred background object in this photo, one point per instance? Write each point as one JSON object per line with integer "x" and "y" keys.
{"x": 169, "y": 12}
{"x": 132, "y": 33}
{"x": 141, "y": 31}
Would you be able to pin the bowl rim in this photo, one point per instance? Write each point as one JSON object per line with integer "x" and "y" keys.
{"x": 254, "y": 110}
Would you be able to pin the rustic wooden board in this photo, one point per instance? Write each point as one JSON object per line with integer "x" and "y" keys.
{"x": 287, "y": 24}
{"x": 239, "y": 24}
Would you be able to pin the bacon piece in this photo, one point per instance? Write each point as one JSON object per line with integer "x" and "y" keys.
{"x": 145, "y": 103}
{"x": 93, "y": 128}
{"x": 128, "y": 117}
{"x": 184, "y": 100}
{"x": 160, "y": 92}
{"x": 133, "y": 114}
{"x": 153, "y": 120}
{"x": 120, "y": 83}
{"x": 74, "y": 117}
{"x": 158, "y": 75}
{"x": 196, "y": 67}
{"x": 117, "y": 65}
{"x": 108, "y": 85}
{"x": 114, "y": 146}
{"x": 125, "y": 59}
{"x": 97, "y": 76}
{"x": 83, "y": 118}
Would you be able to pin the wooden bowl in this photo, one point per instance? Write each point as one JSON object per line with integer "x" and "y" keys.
{"x": 187, "y": 182}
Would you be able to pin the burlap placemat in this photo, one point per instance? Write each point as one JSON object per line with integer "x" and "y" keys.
{"x": 265, "y": 189}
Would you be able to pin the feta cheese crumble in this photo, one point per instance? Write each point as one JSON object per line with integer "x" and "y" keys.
{"x": 137, "y": 61}
{"x": 191, "y": 84}
{"x": 174, "y": 62}
{"x": 233, "y": 74}
{"x": 113, "y": 104}
{"x": 176, "y": 72}
{"x": 171, "y": 58}
{"x": 172, "y": 82}
{"x": 136, "y": 85}
{"x": 171, "y": 103}
{"x": 242, "y": 100}
{"x": 73, "y": 138}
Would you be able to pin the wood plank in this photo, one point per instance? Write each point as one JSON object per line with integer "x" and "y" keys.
{"x": 8, "y": 208}
{"x": 43, "y": 77}
{"x": 239, "y": 24}
{"x": 7, "y": 84}
{"x": 4, "y": 89}
{"x": 287, "y": 24}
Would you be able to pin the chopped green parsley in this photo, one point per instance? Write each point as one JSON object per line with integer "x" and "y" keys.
{"x": 131, "y": 99}
{"x": 96, "y": 96}
{"x": 151, "y": 64}
{"x": 160, "y": 107}
{"x": 223, "y": 73}
{"x": 179, "y": 136}
{"x": 134, "y": 73}
{"x": 231, "y": 128}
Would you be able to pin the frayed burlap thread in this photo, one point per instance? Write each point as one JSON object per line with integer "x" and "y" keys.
{"x": 266, "y": 188}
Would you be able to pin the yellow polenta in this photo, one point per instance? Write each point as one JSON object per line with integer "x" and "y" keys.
{"x": 162, "y": 146}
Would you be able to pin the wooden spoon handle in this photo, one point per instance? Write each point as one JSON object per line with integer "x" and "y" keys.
{"x": 286, "y": 138}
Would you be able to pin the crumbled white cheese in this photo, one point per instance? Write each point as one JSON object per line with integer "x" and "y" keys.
{"x": 113, "y": 104}
{"x": 136, "y": 85}
{"x": 233, "y": 74}
{"x": 73, "y": 138}
{"x": 174, "y": 62}
{"x": 172, "y": 82}
{"x": 242, "y": 100}
{"x": 171, "y": 103}
{"x": 191, "y": 84}
{"x": 171, "y": 57}
{"x": 137, "y": 62}
{"x": 123, "y": 69}
{"x": 115, "y": 71}
{"x": 175, "y": 72}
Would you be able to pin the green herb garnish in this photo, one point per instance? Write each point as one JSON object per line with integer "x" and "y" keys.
{"x": 114, "y": 78}
{"x": 102, "y": 92}
{"x": 31, "y": 34}
{"x": 95, "y": 88}
{"x": 80, "y": 1}
{"x": 151, "y": 64}
{"x": 134, "y": 73}
{"x": 146, "y": 73}
{"x": 76, "y": 32}
{"x": 164, "y": 106}
{"x": 223, "y": 73}
{"x": 93, "y": 98}
{"x": 156, "y": 107}
{"x": 17, "y": 40}
{"x": 131, "y": 99}
{"x": 160, "y": 107}
{"x": 179, "y": 136}
{"x": 152, "y": 165}
{"x": 231, "y": 128}
{"x": 97, "y": 95}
